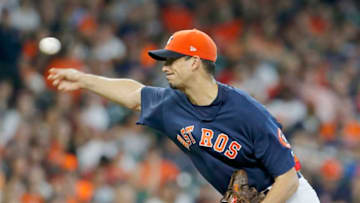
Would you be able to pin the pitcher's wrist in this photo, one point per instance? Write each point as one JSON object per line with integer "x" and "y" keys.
{"x": 84, "y": 80}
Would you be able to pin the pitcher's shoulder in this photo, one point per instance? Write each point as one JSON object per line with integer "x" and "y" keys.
{"x": 236, "y": 94}
{"x": 244, "y": 105}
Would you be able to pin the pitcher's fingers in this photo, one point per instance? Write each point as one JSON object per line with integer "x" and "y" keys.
{"x": 67, "y": 86}
{"x": 55, "y": 76}
{"x": 54, "y": 70}
{"x": 56, "y": 82}
{"x": 62, "y": 86}
{"x": 55, "y": 73}
{"x": 51, "y": 76}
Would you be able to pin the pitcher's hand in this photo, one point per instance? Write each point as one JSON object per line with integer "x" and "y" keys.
{"x": 65, "y": 79}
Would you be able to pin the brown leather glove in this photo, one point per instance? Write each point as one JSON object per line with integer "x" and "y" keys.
{"x": 239, "y": 190}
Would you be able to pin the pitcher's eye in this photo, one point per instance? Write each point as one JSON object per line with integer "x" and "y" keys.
{"x": 169, "y": 61}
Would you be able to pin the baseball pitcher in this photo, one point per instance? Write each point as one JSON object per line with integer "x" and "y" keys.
{"x": 232, "y": 139}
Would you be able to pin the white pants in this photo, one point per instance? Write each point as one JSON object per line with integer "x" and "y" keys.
{"x": 304, "y": 194}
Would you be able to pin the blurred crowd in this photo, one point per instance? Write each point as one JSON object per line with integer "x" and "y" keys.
{"x": 300, "y": 58}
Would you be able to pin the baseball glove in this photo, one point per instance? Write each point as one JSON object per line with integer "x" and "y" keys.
{"x": 239, "y": 190}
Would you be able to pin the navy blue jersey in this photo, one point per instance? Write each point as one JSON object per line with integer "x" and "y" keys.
{"x": 234, "y": 132}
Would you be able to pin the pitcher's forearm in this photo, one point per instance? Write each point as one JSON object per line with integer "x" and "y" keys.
{"x": 126, "y": 92}
{"x": 283, "y": 188}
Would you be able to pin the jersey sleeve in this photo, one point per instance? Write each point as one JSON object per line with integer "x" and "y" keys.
{"x": 272, "y": 148}
{"x": 152, "y": 105}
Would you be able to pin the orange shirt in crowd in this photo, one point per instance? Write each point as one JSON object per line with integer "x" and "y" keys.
{"x": 168, "y": 172}
{"x": 177, "y": 18}
{"x": 31, "y": 198}
{"x": 84, "y": 190}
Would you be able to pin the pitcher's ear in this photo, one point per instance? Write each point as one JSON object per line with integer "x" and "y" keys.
{"x": 196, "y": 62}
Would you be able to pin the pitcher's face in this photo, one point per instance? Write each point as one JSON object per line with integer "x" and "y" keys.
{"x": 178, "y": 72}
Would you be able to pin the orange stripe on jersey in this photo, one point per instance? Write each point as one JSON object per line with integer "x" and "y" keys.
{"x": 206, "y": 136}
{"x": 297, "y": 163}
{"x": 221, "y": 142}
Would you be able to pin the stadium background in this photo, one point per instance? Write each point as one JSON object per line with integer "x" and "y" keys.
{"x": 300, "y": 58}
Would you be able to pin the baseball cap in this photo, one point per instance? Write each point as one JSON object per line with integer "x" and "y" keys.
{"x": 187, "y": 43}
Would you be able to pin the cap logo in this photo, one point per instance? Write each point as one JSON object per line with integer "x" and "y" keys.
{"x": 169, "y": 40}
{"x": 192, "y": 48}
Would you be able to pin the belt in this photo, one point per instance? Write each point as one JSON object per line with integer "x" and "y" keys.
{"x": 299, "y": 175}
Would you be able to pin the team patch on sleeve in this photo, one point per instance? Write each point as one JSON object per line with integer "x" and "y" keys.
{"x": 285, "y": 143}
{"x": 282, "y": 139}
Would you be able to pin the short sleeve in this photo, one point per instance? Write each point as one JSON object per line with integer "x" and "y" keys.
{"x": 152, "y": 105}
{"x": 272, "y": 149}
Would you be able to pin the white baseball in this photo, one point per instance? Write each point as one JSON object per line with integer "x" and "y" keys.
{"x": 49, "y": 45}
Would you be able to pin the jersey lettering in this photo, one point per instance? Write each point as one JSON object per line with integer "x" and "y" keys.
{"x": 186, "y": 139}
{"x": 206, "y": 136}
{"x": 189, "y": 131}
{"x": 232, "y": 152}
{"x": 221, "y": 142}
{"x": 185, "y": 136}
{"x": 183, "y": 142}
